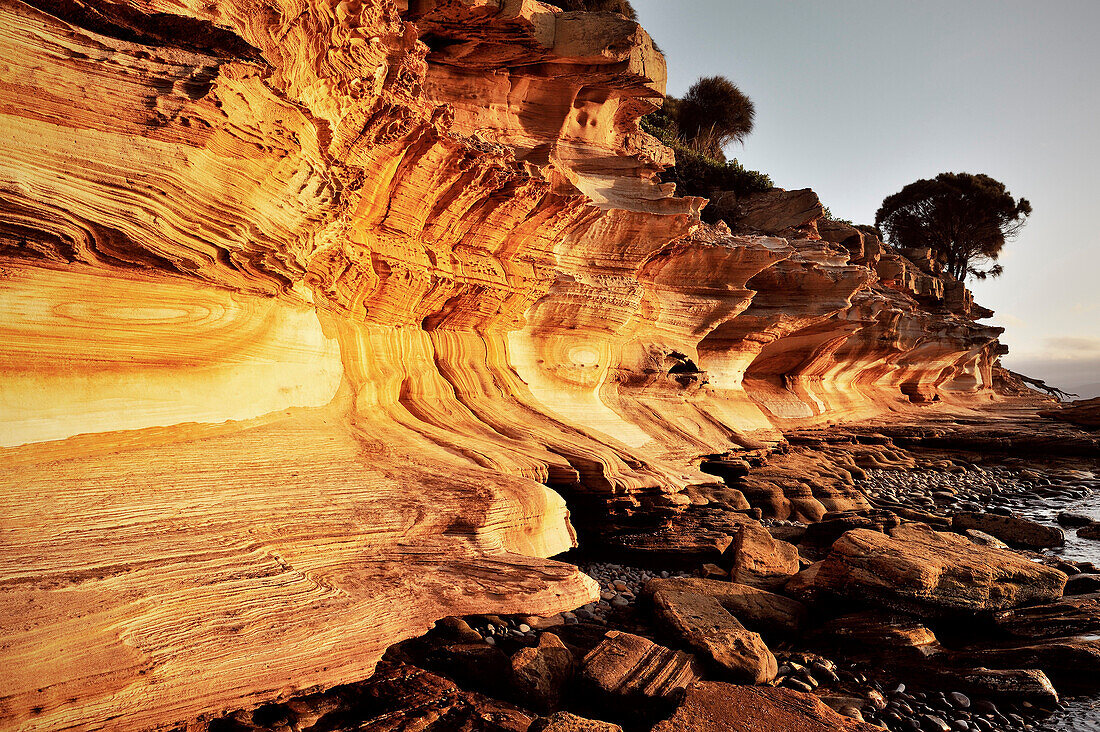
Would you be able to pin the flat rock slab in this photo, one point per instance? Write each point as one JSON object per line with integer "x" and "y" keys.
{"x": 707, "y": 627}
{"x": 757, "y": 609}
{"x": 1011, "y": 530}
{"x": 1071, "y": 663}
{"x": 916, "y": 569}
{"x": 873, "y": 633}
{"x": 1068, "y": 616}
{"x": 712, "y": 706}
{"x": 627, "y": 665}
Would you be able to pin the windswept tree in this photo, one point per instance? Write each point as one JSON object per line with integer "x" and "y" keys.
{"x": 714, "y": 113}
{"x": 964, "y": 219}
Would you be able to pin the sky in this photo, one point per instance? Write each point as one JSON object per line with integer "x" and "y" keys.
{"x": 857, "y": 98}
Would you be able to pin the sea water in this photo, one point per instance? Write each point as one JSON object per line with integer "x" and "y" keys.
{"x": 1082, "y": 713}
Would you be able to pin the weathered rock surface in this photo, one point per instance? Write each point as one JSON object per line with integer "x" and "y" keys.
{"x": 1012, "y": 530}
{"x": 315, "y": 315}
{"x": 1083, "y": 413}
{"x": 702, "y": 623}
{"x": 919, "y": 570}
{"x": 1070, "y": 663}
{"x": 626, "y": 666}
{"x": 761, "y": 560}
{"x": 1068, "y": 616}
{"x": 757, "y": 609}
{"x": 540, "y": 673}
{"x": 711, "y": 706}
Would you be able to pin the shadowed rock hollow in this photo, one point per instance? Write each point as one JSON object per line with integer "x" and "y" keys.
{"x": 317, "y": 315}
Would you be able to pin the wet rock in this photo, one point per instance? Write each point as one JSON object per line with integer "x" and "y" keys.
{"x": 630, "y": 668}
{"x": 707, "y": 627}
{"x": 758, "y": 609}
{"x": 1068, "y": 518}
{"x": 1013, "y": 685}
{"x": 1068, "y": 616}
{"x": 540, "y": 673}
{"x": 916, "y": 569}
{"x": 1081, "y": 584}
{"x": 1092, "y": 531}
{"x": 566, "y": 722}
{"x": 1012, "y": 530}
{"x": 712, "y": 706}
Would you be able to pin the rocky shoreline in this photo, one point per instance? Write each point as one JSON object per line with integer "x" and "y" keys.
{"x": 939, "y": 606}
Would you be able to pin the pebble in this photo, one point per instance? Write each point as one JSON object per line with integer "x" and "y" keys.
{"x": 962, "y": 701}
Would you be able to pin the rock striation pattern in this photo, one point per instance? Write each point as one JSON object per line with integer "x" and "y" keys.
{"x": 321, "y": 318}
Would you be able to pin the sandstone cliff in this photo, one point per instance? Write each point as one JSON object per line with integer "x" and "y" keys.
{"x": 318, "y": 315}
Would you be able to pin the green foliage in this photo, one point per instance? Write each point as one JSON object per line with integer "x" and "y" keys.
{"x": 829, "y": 215}
{"x": 698, "y": 174}
{"x": 964, "y": 219}
{"x": 714, "y": 113}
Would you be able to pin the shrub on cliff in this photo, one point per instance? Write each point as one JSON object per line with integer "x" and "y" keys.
{"x": 714, "y": 113}
{"x": 697, "y": 173}
{"x": 964, "y": 219}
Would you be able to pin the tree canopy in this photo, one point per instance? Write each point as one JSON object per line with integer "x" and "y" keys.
{"x": 714, "y": 113}
{"x": 964, "y": 219}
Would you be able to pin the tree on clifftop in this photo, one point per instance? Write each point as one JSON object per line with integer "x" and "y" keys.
{"x": 714, "y": 113}
{"x": 964, "y": 219}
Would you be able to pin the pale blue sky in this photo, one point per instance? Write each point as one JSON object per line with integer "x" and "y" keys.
{"x": 857, "y": 98}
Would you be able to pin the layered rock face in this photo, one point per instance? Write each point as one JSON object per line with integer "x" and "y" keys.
{"x": 316, "y": 315}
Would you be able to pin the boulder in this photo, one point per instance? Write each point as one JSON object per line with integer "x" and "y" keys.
{"x": 759, "y": 559}
{"x": 1012, "y": 530}
{"x": 630, "y": 667}
{"x": 983, "y": 539}
{"x": 1068, "y": 518}
{"x": 712, "y": 706}
{"x": 1071, "y": 663}
{"x": 1030, "y": 685}
{"x": 757, "y": 609}
{"x": 1092, "y": 531}
{"x": 540, "y": 673}
{"x": 874, "y": 633}
{"x": 919, "y": 570}
{"x": 1081, "y": 584}
{"x": 1068, "y": 616}
{"x": 833, "y": 525}
{"x": 702, "y": 623}
{"x": 566, "y": 722}
{"x": 803, "y": 587}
